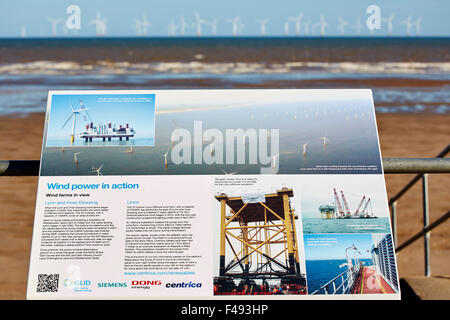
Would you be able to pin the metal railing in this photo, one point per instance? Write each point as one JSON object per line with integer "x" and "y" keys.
{"x": 422, "y": 167}
{"x": 344, "y": 282}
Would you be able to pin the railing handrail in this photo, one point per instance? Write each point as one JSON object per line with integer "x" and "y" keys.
{"x": 425, "y": 230}
{"x": 390, "y": 165}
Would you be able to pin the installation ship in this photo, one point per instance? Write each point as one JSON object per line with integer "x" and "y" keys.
{"x": 106, "y": 132}
{"x": 362, "y": 212}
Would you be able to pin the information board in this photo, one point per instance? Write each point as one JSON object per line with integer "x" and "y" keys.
{"x": 211, "y": 194}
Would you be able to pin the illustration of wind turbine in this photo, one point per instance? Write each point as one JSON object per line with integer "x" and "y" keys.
{"x": 358, "y": 26}
{"x": 97, "y": 170}
{"x": 130, "y": 150}
{"x": 172, "y": 28}
{"x": 263, "y": 24}
{"x": 322, "y": 24}
{"x": 100, "y": 25}
{"x": 165, "y": 158}
{"x": 418, "y": 25}
{"x": 55, "y": 23}
{"x": 389, "y": 21}
{"x": 408, "y": 23}
{"x": 199, "y": 22}
{"x": 298, "y": 23}
{"x": 304, "y": 148}
{"x": 75, "y": 159}
{"x": 73, "y": 116}
{"x": 236, "y": 24}
{"x": 342, "y": 23}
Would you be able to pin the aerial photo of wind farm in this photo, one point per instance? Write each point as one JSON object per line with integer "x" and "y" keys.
{"x": 314, "y": 135}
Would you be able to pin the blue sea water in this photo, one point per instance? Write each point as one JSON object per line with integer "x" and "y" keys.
{"x": 318, "y": 225}
{"x": 406, "y": 74}
{"x": 319, "y": 272}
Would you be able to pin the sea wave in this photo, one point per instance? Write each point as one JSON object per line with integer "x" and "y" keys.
{"x": 198, "y": 67}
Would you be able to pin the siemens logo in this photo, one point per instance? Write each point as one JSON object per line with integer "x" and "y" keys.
{"x": 112, "y": 285}
{"x": 189, "y": 284}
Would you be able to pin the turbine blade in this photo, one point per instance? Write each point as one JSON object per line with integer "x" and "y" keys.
{"x": 67, "y": 121}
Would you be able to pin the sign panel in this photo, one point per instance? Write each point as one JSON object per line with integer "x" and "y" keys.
{"x": 211, "y": 194}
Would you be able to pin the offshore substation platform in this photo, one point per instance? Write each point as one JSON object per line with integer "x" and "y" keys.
{"x": 259, "y": 253}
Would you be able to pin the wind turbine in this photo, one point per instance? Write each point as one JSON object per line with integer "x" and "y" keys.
{"x": 100, "y": 25}
{"x": 389, "y": 21}
{"x": 172, "y": 28}
{"x": 408, "y": 23}
{"x": 358, "y": 26}
{"x": 183, "y": 25}
{"x": 306, "y": 26}
{"x": 23, "y": 31}
{"x": 199, "y": 21}
{"x": 214, "y": 26}
{"x": 298, "y": 23}
{"x": 286, "y": 26}
{"x": 143, "y": 24}
{"x": 165, "y": 158}
{"x": 274, "y": 160}
{"x": 263, "y": 24}
{"x": 55, "y": 23}
{"x": 325, "y": 139}
{"x": 97, "y": 170}
{"x": 75, "y": 159}
{"x": 322, "y": 24}
{"x": 236, "y": 24}
{"x": 342, "y": 24}
{"x": 418, "y": 25}
{"x": 74, "y": 118}
{"x": 304, "y": 148}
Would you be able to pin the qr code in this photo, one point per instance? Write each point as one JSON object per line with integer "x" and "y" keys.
{"x": 47, "y": 283}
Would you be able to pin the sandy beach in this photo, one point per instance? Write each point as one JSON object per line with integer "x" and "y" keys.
{"x": 401, "y": 135}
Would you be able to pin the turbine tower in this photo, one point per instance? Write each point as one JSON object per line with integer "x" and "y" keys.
{"x": 236, "y": 24}
{"x": 183, "y": 25}
{"x": 55, "y": 23}
{"x": 358, "y": 26}
{"x": 408, "y": 23}
{"x": 342, "y": 24}
{"x": 306, "y": 26}
{"x": 100, "y": 25}
{"x": 199, "y": 21}
{"x": 214, "y": 26}
{"x": 172, "y": 28}
{"x": 263, "y": 24}
{"x": 286, "y": 26}
{"x": 298, "y": 23}
{"x": 321, "y": 24}
{"x": 389, "y": 21}
{"x": 73, "y": 116}
{"x": 418, "y": 25}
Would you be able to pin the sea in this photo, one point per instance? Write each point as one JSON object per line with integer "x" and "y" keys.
{"x": 318, "y": 225}
{"x": 319, "y": 272}
{"x": 407, "y": 75}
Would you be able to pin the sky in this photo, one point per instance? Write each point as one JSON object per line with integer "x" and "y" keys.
{"x": 139, "y": 115}
{"x": 329, "y": 247}
{"x": 30, "y": 17}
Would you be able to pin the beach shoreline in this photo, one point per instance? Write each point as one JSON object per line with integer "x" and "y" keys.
{"x": 401, "y": 136}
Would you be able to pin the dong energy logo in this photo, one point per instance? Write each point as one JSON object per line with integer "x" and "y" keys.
{"x": 144, "y": 284}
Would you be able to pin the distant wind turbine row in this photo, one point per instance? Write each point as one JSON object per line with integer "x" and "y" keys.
{"x": 180, "y": 26}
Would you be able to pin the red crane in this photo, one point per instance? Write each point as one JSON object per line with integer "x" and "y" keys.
{"x": 338, "y": 203}
{"x": 345, "y": 203}
{"x": 359, "y": 206}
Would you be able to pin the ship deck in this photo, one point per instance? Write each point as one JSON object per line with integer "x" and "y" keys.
{"x": 369, "y": 282}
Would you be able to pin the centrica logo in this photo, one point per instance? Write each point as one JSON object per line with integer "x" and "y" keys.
{"x": 189, "y": 284}
{"x": 112, "y": 285}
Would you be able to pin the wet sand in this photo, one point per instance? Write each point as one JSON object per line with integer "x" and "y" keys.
{"x": 405, "y": 135}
